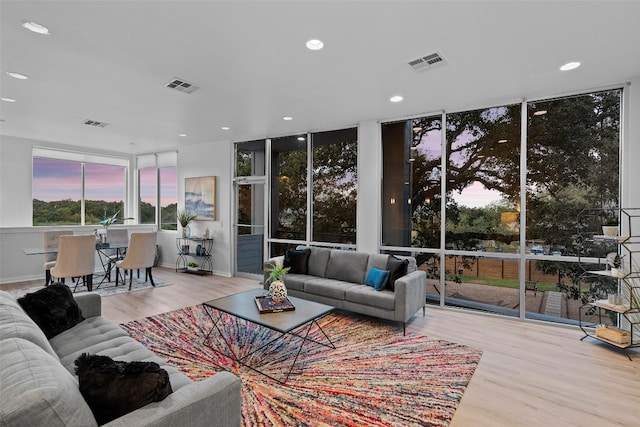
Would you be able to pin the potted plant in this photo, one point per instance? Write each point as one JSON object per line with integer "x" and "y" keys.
{"x": 277, "y": 289}
{"x": 610, "y": 225}
{"x": 192, "y": 266}
{"x": 184, "y": 218}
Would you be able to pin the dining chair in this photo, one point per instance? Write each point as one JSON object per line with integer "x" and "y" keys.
{"x": 76, "y": 258}
{"x": 140, "y": 254}
{"x": 50, "y": 241}
{"x": 114, "y": 236}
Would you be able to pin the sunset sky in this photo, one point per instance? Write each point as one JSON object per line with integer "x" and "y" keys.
{"x": 61, "y": 179}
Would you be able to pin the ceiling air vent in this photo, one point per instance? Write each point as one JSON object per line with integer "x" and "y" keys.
{"x": 181, "y": 85}
{"x": 427, "y": 62}
{"x": 95, "y": 123}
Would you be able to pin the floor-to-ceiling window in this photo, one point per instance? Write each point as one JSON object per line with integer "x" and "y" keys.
{"x": 571, "y": 154}
{"x": 314, "y": 190}
{"x": 334, "y": 182}
{"x": 573, "y": 179}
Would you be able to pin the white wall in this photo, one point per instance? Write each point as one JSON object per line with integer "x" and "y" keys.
{"x": 211, "y": 159}
{"x": 368, "y": 217}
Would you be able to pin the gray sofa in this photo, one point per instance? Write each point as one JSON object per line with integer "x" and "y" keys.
{"x": 38, "y": 386}
{"x": 337, "y": 278}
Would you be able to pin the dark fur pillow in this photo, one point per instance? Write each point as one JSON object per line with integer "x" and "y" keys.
{"x": 113, "y": 389}
{"x": 52, "y": 308}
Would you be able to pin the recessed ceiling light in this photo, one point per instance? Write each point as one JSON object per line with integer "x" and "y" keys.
{"x": 396, "y": 98}
{"x": 182, "y": 134}
{"x": 502, "y": 141}
{"x": 287, "y": 118}
{"x": 8, "y": 99}
{"x": 570, "y": 66}
{"x": 315, "y": 44}
{"x": 17, "y": 75}
{"x": 36, "y": 28}
{"x": 225, "y": 128}
{"x": 302, "y": 138}
{"x": 540, "y": 112}
{"x": 417, "y": 129}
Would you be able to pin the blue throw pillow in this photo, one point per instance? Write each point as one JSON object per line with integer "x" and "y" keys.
{"x": 377, "y": 278}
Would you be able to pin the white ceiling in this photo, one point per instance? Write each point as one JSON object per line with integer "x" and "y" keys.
{"x": 109, "y": 61}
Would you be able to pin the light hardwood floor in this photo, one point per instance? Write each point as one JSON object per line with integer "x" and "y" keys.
{"x": 530, "y": 374}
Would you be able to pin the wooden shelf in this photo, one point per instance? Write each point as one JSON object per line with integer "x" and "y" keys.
{"x": 615, "y": 344}
{"x": 603, "y": 303}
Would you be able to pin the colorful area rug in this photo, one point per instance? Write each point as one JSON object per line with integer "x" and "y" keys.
{"x": 374, "y": 377}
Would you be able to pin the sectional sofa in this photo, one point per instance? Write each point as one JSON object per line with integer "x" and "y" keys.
{"x": 338, "y": 278}
{"x": 38, "y": 386}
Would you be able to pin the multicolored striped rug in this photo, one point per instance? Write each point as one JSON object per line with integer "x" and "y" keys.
{"x": 375, "y": 376}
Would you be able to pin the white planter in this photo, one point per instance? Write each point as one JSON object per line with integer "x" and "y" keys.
{"x": 617, "y": 272}
{"x": 610, "y": 230}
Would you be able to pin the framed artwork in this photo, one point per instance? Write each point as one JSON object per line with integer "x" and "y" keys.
{"x": 200, "y": 197}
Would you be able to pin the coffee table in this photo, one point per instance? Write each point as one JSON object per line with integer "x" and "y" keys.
{"x": 298, "y": 322}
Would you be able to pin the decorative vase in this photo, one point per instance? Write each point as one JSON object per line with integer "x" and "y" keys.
{"x": 186, "y": 231}
{"x": 277, "y": 291}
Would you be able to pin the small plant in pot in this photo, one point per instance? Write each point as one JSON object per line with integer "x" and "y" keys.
{"x": 184, "y": 218}
{"x": 615, "y": 262}
{"x": 277, "y": 289}
{"x": 610, "y": 225}
{"x": 192, "y": 266}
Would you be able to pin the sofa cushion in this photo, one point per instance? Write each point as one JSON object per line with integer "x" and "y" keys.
{"x": 295, "y": 281}
{"x": 318, "y": 260}
{"x": 15, "y": 323}
{"x": 112, "y": 389}
{"x": 397, "y": 268}
{"x": 348, "y": 266}
{"x": 52, "y": 308}
{"x": 36, "y": 390}
{"x": 366, "y": 295}
{"x": 329, "y": 288}
{"x": 377, "y": 278}
{"x": 297, "y": 260}
{"x": 98, "y": 335}
{"x": 378, "y": 261}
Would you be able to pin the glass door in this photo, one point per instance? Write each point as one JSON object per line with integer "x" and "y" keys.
{"x": 250, "y": 225}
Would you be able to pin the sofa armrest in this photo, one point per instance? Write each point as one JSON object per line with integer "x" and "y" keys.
{"x": 215, "y": 401}
{"x": 269, "y": 263}
{"x": 90, "y": 303}
{"x": 411, "y": 294}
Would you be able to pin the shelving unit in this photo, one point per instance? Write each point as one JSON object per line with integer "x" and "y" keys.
{"x": 194, "y": 249}
{"x": 624, "y": 334}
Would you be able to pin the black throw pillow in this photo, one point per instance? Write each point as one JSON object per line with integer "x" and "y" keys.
{"x": 52, "y": 308}
{"x": 397, "y": 268}
{"x": 297, "y": 260}
{"x": 113, "y": 389}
